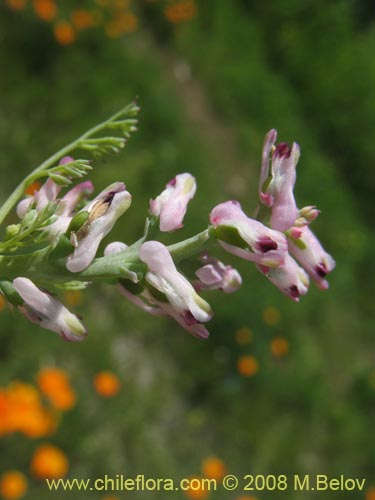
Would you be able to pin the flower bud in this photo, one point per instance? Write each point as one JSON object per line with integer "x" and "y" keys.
{"x": 171, "y": 204}
{"x": 309, "y": 213}
{"x": 46, "y": 311}
{"x": 215, "y": 275}
{"x": 312, "y": 256}
{"x": 115, "y": 247}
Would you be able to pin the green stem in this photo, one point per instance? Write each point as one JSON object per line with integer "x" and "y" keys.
{"x": 20, "y": 189}
{"x": 191, "y": 246}
{"x": 36, "y": 266}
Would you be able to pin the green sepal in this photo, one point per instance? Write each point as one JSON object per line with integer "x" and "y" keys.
{"x": 129, "y": 270}
{"x": 10, "y": 293}
{"x": 78, "y": 221}
{"x": 230, "y": 235}
{"x": 157, "y": 294}
{"x": 134, "y": 288}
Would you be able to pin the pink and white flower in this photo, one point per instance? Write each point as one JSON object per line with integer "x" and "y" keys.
{"x": 48, "y": 193}
{"x": 277, "y": 181}
{"x": 312, "y": 256}
{"x": 103, "y": 212}
{"x": 45, "y": 310}
{"x": 171, "y": 204}
{"x": 163, "y": 275}
{"x": 167, "y": 292}
{"x": 256, "y": 242}
{"x": 67, "y": 205}
{"x": 290, "y": 278}
{"x": 215, "y": 275}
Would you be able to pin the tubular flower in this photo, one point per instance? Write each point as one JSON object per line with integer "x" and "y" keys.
{"x": 163, "y": 275}
{"x": 171, "y": 204}
{"x": 214, "y": 275}
{"x": 142, "y": 299}
{"x": 46, "y": 311}
{"x": 103, "y": 213}
{"x": 248, "y": 238}
{"x": 309, "y": 252}
{"x": 276, "y": 184}
{"x": 180, "y": 302}
{"x": 290, "y": 278}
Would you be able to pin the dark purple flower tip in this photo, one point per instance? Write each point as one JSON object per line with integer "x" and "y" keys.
{"x": 109, "y": 197}
{"x": 266, "y": 244}
{"x": 189, "y": 318}
{"x": 172, "y": 182}
{"x": 321, "y": 270}
{"x": 294, "y": 292}
{"x": 282, "y": 150}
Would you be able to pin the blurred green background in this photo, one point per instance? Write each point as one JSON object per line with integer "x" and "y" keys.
{"x": 209, "y": 89}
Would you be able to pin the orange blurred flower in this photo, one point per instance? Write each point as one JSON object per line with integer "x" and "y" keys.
{"x": 50, "y": 462}
{"x": 243, "y": 336}
{"x": 55, "y": 385}
{"x": 2, "y": 302}
{"x": 21, "y": 411}
{"x": 247, "y": 366}
{"x": 16, "y": 4}
{"x": 106, "y": 384}
{"x": 34, "y": 186}
{"x": 64, "y": 33}
{"x": 214, "y": 468}
{"x": 13, "y": 485}
{"x": 370, "y": 494}
{"x": 40, "y": 422}
{"x": 271, "y": 316}
{"x": 181, "y": 11}
{"x": 82, "y": 19}
{"x": 279, "y": 347}
{"x": 196, "y": 490}
{"x": 45, "y": 9}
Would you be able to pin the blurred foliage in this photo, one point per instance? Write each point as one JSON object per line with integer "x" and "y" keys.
{"x": 286, "y": 392}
